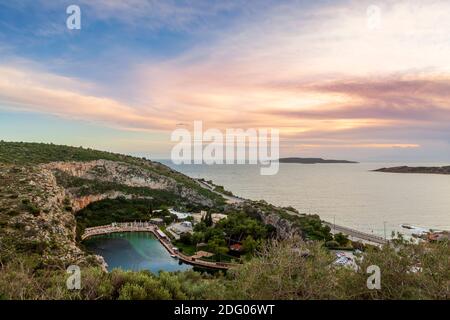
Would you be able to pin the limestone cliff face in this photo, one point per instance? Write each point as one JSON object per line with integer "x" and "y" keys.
{"x": 37, "y": 217}
{"x": 37, "y": 211}
{"x": 124, "y": 174}
{"x": 284, "y": 228}
{"x": 268, "y": 214}
{"x": 112, "y": 171}
{"x": 82, "y": 202}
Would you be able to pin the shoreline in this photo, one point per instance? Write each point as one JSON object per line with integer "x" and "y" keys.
{"x": 361, "y": 206}
{"x": 352, "y": 233}
{"x": 166, "y": 243}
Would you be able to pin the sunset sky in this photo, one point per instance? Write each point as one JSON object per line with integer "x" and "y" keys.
{"x": 333, "y": 80}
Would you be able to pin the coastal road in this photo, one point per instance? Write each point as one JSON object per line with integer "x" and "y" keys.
{"x": 355, "y": 234}
{"x": 229, "y": 199}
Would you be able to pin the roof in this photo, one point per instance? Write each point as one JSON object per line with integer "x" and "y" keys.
{"x": 236, "y": 247}
{"x": 438, "y": 236}
{"x": 180, "y": 215}
{"x": 160, "y": 233}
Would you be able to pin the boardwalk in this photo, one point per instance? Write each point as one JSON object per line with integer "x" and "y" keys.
{"x": 148, "y": 227}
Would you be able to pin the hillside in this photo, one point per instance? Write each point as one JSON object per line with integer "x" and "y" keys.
{"x": 44, "y": 186}
{"x": 49, "y": 193}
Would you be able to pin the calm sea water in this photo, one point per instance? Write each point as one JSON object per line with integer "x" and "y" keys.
{"x": 350, "y": 194}
{"x": 134, "y": 251}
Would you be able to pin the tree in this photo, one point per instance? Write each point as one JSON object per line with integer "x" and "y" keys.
{"x": 221, "y": 251}
{"x": 208, "y": 219}
{"x": 168, "y": 219}
{"x": 249, "y": 244}
{"x": 186, "y": 238}
{"x": 332, "y": 244}
{"x": 200, "y": 227}
{"x": 279, "y": 272}
{"x": 217, "y": 246}
{"x": 341, "y": 239}
{"x": 198, "y": 237}
{"x": 408, "y": 271}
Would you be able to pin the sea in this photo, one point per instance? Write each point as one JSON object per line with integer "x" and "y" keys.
{"x": 350, "y": 195}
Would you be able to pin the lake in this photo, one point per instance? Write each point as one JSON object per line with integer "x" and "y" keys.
{"x": 134, "y": 251}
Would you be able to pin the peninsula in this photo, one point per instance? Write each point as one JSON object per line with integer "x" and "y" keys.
{"x": 312, "y": 160}
{"x": 406, "y": 169}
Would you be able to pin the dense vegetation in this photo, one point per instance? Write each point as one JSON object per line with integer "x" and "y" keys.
{"x": 238, "y": 227}
{"x": 310, "y": 225}
{"x": 282, "y": 270}
{"x": 408, "y": 271}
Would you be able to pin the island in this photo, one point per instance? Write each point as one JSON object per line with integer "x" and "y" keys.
{"x": 406, "y": 169}
{"x": 312, "y": 160}
{"x": 84, "y": 224}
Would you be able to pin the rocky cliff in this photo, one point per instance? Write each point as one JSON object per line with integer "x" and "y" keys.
{"x": 284, "y": 227}
{"x": 38, "y": 207}
{"x": 34, "y": 216}
{"x": 42, "y": 187}
{"x": 121, "y": 173}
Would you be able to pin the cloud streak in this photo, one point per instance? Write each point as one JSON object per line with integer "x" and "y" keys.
{"x": 36, "y": 91}
{"x": 315, "y": 72}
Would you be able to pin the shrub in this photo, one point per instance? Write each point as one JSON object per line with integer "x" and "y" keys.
{"x": 341, "y": 239}
{"x": 332, "y": 244}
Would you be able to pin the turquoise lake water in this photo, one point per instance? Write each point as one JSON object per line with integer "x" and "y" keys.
{"x": 134, "y": 251}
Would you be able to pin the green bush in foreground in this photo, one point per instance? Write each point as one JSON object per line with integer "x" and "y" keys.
{"x": 20, "y": 281}
{"x": 408, "y": 271}
{"x": 281, "y": 270}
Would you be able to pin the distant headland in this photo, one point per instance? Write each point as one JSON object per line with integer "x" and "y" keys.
{"x": 312, "y": 160}
{"x": 406, "y": 169}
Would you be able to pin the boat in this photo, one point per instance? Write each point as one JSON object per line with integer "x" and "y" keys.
{"x": 174, "y": 256}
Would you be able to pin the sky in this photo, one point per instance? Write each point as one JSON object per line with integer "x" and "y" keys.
{"x": 359, "y": 80}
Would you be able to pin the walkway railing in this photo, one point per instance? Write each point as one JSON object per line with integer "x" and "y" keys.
{"x": 149, "y": 227}
{"x": 118, "y": 227}
{"x": 356, "y": 233}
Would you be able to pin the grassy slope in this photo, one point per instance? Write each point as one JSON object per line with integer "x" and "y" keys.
{"x": 26, "y": 153}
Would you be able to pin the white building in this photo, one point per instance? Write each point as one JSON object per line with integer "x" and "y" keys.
{"x": 181, "y": 227}
{"x": 180, "y": 215}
